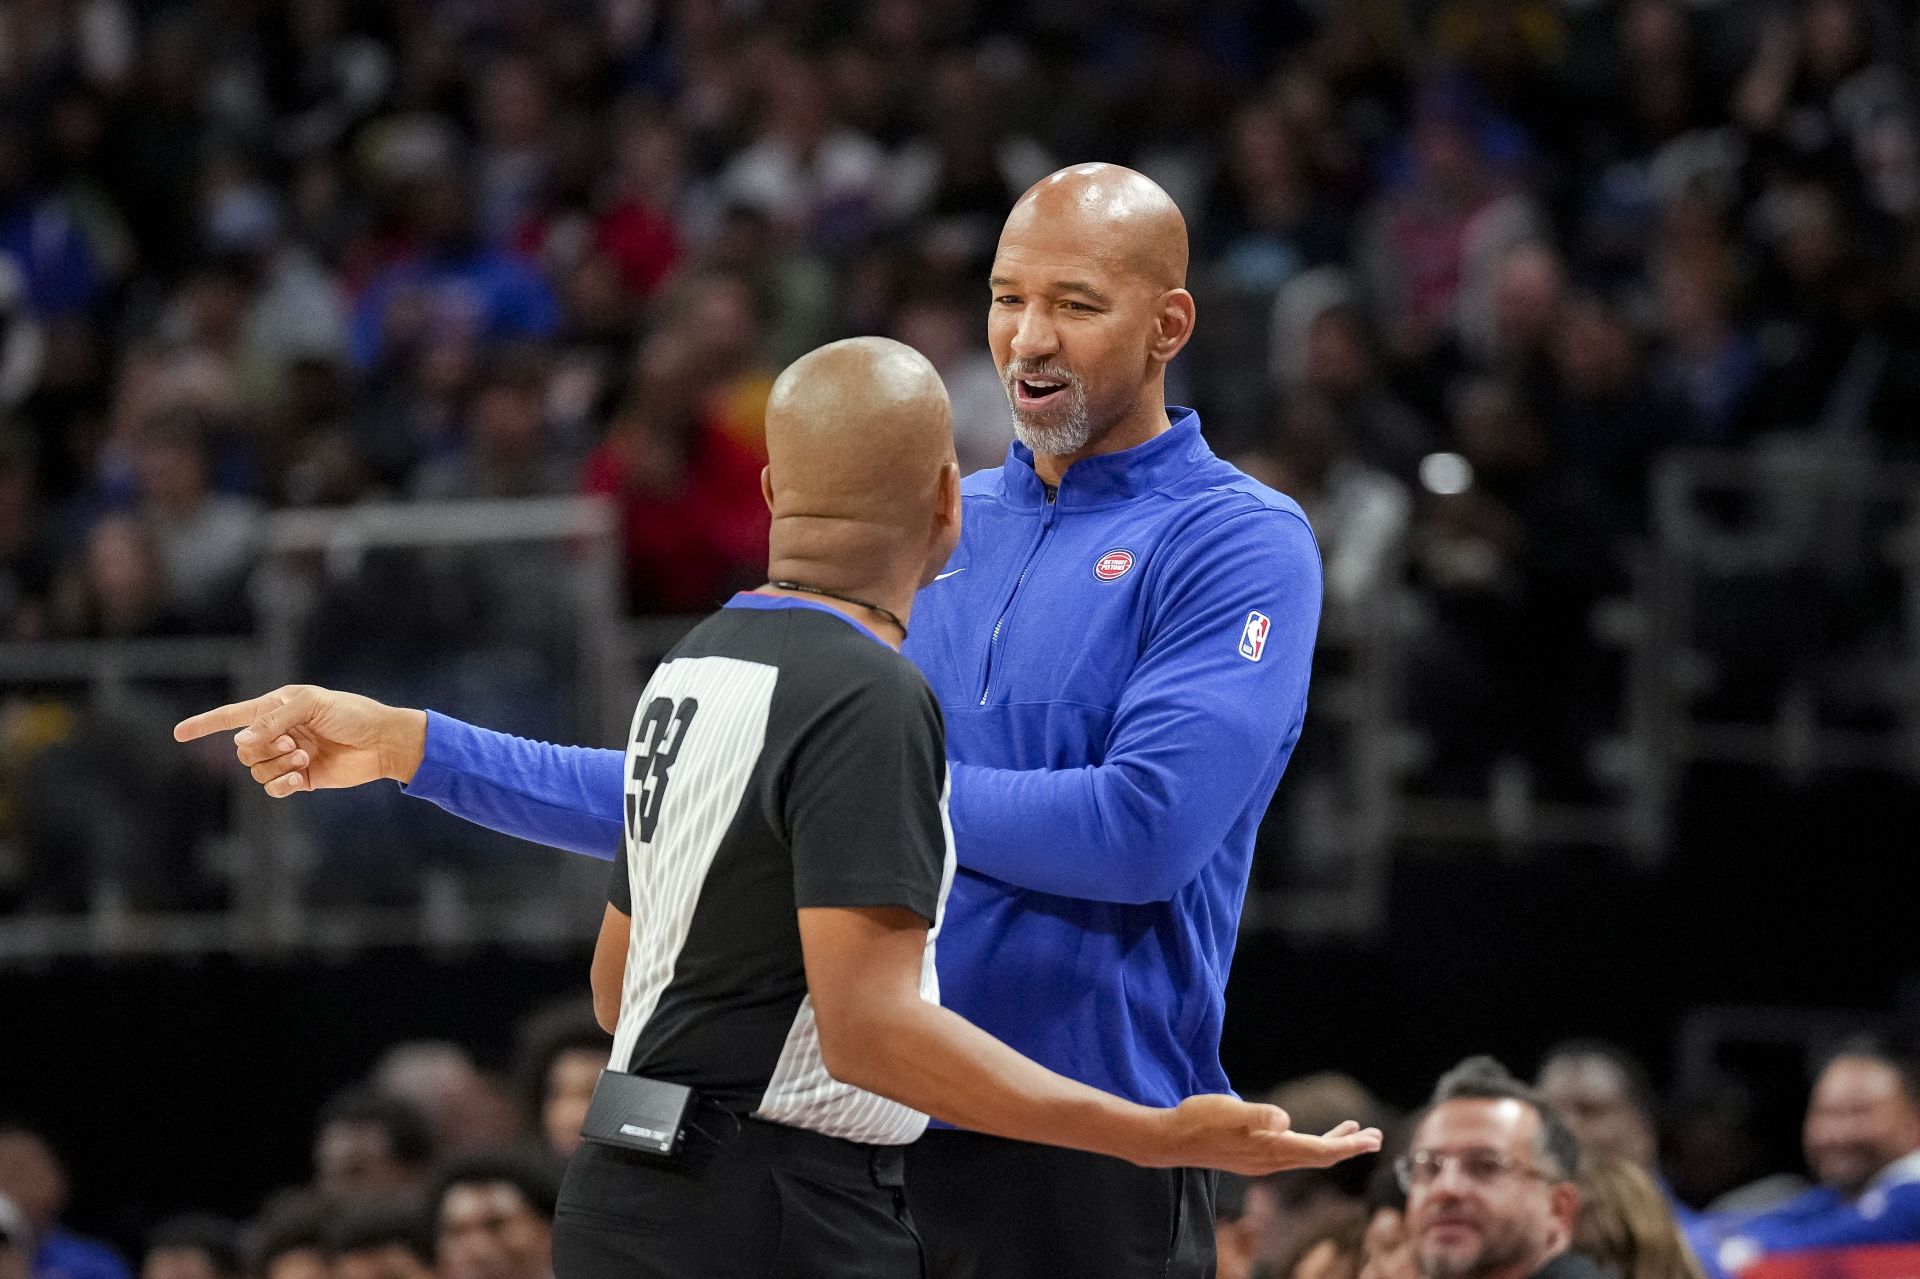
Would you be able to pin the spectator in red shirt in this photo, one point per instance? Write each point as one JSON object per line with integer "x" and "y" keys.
{"x": 638, "y": 230}
{"x": 693, "y": 522}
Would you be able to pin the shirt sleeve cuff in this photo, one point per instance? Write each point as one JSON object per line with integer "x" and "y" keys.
{"x": 861, "y": 893}
{"x": 451, "y": 744}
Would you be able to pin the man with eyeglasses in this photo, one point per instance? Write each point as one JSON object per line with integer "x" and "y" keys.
{"x": 1490, "y": 1186}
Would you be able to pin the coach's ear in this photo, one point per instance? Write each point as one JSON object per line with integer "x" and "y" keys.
{"x": 766, "y": 485}
{"x": 1173, "y": 325}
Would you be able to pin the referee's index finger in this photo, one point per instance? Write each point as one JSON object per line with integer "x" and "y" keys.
{"x": 220, "y": 718}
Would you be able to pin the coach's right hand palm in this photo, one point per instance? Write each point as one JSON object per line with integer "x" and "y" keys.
{"x": 1217, "y": 1131}
{"x": 301, "y": 738}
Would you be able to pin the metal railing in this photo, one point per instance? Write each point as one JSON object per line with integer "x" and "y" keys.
{"x": 102, "y": 676}
{"x": 1706, "y": 1035}
{"x": 1813, "y": 514}
{"x": 1762, "y": 558}
{"x": 1345, "y": 816}
{"x": 268, "y": 856}
{"x": 1825, "y": 517}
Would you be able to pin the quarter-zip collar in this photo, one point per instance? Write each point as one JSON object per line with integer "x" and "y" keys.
{"x": 1106, "y": 478}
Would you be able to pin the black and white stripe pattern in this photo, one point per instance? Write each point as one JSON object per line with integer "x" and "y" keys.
{"x": 779, "y": 759}
{"x": 803, "y": 1094}
{"x": 713, "y": 767}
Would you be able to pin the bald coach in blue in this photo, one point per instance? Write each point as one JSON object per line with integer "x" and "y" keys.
{"x": 1122, "y": 661}
{"x": 1120, "y": 647}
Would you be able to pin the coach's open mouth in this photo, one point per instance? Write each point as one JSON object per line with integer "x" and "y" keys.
{"x": 1033, "y": 391}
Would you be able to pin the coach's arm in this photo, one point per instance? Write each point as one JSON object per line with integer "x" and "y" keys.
{"x": 304, "y": 738}
{"x": 1199, "y": 729}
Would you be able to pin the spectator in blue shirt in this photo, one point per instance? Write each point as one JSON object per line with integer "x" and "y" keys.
{"x": 1862, "y": 1138}
{"x": 456, "y": 286}
{"x": 46, "y": 243}
{"x": 32, "y": 1176}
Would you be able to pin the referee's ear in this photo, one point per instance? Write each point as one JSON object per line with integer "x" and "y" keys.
{"x": 766, "y": 486}
{"x": 947, "y": 501}
{"x": 946, "y": 518}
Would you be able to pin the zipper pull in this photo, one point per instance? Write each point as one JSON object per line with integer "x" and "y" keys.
{"x": 1052, "y": 493}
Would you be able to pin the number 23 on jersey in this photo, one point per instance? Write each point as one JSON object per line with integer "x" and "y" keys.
{"x": 656, "y": 744}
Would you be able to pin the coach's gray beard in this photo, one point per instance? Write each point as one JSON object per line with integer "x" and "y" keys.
{"x": 1067, "y": 435}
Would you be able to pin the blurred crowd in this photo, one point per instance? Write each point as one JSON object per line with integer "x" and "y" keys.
{"x": 428, "y": 1168}
{"x": 1586, "y": 1174}
{"x": 431, "y": 1168}
{"x": 1464, "y": 269}
{"x": 263, "y": 253}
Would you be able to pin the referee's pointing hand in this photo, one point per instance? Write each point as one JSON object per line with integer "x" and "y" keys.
{"x": 1218, "y": 1131}
{"x": 300, "y": 738}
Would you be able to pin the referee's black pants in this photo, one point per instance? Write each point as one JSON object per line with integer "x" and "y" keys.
{"x": 989, "y": 1208}
{"x": 763, "y": 1202}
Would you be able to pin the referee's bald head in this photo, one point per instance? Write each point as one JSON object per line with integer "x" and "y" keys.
{"x": 860, "y": 462}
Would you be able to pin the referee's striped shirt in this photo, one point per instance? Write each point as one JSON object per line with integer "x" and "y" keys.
{"x": 782, "y": 757}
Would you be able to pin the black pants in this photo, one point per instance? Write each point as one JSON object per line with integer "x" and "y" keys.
{"x": 988, "y": 1208}
{"x": 767, "y": 1202}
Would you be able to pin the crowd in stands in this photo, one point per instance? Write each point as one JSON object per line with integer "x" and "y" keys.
{"x": 432, "y": 1169}
{"x": 1495, "y": 1179}
{"x": 1465, "y": 268}
{"x": 429, "y": 1168}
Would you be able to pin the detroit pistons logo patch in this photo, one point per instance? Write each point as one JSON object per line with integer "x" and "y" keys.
{"x": 1253, "y": 636}
{"x": 1114, "y": 565}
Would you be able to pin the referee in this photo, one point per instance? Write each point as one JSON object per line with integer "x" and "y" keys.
{"x": 782, "y": 809}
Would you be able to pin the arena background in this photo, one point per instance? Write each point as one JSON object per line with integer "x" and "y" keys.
{"x": 1584, "y": 330}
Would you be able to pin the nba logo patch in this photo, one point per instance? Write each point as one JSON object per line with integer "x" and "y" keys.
{"x": 1253, "y": 636}
{"x": 1112, "y": 566}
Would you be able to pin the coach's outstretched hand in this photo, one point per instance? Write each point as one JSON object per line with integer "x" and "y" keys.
{"x": 300, "y": 738}
{"x": 1218, "y": 1131}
